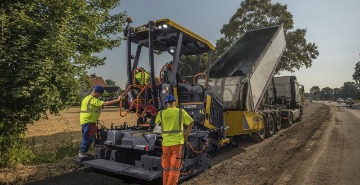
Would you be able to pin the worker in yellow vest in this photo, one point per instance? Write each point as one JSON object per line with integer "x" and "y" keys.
{"x": 172, "y": 120}
{"x": 142, "y": 76}
{"x": 89, "y": 114}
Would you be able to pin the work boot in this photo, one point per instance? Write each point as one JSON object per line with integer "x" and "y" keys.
{"x": 85, "y": 157}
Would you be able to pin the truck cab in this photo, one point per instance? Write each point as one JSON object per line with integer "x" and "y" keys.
{"x": 286, "y": 93}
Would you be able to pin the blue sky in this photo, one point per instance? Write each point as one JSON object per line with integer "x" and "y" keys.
{"x": 333, "y": 25}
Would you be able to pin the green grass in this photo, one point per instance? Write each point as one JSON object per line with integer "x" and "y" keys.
{"x": 24, "y": 152}
{"x": 65, "y": 149}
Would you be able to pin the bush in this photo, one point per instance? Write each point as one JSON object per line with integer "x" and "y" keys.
{"x": 20, "y": 153}
{"x": 24, "y": 152}
{"x": 66, "y": 149}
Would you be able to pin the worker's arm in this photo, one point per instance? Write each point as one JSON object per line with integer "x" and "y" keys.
{"x": 187, "y": 133}
{"x": 112, "y": 102}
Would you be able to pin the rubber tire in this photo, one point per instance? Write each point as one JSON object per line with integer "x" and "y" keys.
{"x": 301, "y": 113}
{"x": 234, "y": 142}
{"x": 290, "y": 121}
{"x": 270, "y": 126}
{"x": 278, "y": 123}
{"x": 259, "y": 135}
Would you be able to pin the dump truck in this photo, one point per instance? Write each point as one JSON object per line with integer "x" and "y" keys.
{"x": 240, "y": 78}
{"x": 224, "y": 101}
{"x": 285, "y": 93}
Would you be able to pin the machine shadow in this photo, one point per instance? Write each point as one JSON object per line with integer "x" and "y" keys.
{"x": 92, "y": 176}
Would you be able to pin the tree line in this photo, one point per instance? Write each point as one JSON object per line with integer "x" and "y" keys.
{"x": 348, "y": 90}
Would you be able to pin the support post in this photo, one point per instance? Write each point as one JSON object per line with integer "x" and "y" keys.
{"x": 151, "y": 62}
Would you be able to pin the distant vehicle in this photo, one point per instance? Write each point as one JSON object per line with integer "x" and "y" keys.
{"x": 340, "y": 100}
{"x": 349, "y": 101}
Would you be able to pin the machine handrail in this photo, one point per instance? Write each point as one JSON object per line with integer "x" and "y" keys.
{"x": 138, "y": 99}
{"x": 201, "y": 74}
{"x": 123, "y": 95}
{"x": 162, "y": 69}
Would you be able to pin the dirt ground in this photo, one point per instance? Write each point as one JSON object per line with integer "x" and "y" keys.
{"x": 266, "y": 162}
{"x": 273, "y": 161}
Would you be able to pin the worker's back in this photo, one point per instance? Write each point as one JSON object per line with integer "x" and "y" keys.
{"x": 171, "y": 126}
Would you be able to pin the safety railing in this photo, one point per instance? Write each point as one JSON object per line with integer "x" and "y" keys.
{"x": 123, "y": 95}
{"x": 162, "y": 69}
{"x": 201, "y": 74}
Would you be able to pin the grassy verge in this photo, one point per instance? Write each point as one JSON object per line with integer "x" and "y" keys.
{"x": 66, "y": 149}
{"x": 28, "y": 152}
{"x": 35, "y": 161}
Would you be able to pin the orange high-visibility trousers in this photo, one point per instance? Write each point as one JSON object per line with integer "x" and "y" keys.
{"x": 171, "y": 163}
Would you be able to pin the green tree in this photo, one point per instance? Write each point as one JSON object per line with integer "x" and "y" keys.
{"x": 45, "y": 48}
{"x": 315, "y": 91}
{"x": 356, "y": 75}
{"x": 187, "y": 64}
{"x": 350, "y": 90}
{"x": 255, "y": 14}
{"x": 326, "y": 93}
{"x": 307, "y": 95}
{"x": 110, "y": 83}
{"x": 337, "y": 93}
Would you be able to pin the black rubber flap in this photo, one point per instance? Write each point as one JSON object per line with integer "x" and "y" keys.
{"x": 124, "y": 169}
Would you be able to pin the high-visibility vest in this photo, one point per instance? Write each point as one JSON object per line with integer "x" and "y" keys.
{"x": 142, "y": 77}
{"x": 172, "y": 120}
{"x": 90, "y": 109}
{"x": 179, "y": 128}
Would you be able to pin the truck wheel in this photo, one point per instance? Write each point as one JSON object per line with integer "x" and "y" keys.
{"x": 259, "y": 135}
{"x": 270, "y": 126}
{"x": 290, "y": 120}
{"x": 300, "y": 116}
{"x": 278, "y": 123}
{"x": 233, "y": 141}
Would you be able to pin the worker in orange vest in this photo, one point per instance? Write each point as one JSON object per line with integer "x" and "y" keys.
{"x": 172, "y": 120}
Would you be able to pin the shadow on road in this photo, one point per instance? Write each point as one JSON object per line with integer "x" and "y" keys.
{"x": 91, "y": 176}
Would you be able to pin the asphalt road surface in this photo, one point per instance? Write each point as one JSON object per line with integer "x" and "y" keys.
{"x": 337, "y": 160}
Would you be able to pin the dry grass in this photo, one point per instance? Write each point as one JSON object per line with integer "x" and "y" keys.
{"x": 66, "y": 126}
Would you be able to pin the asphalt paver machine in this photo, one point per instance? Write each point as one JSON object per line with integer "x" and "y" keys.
{"x": 135, "y": 149}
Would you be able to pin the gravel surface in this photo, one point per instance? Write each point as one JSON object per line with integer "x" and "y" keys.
{"x": 275, "y": 157}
